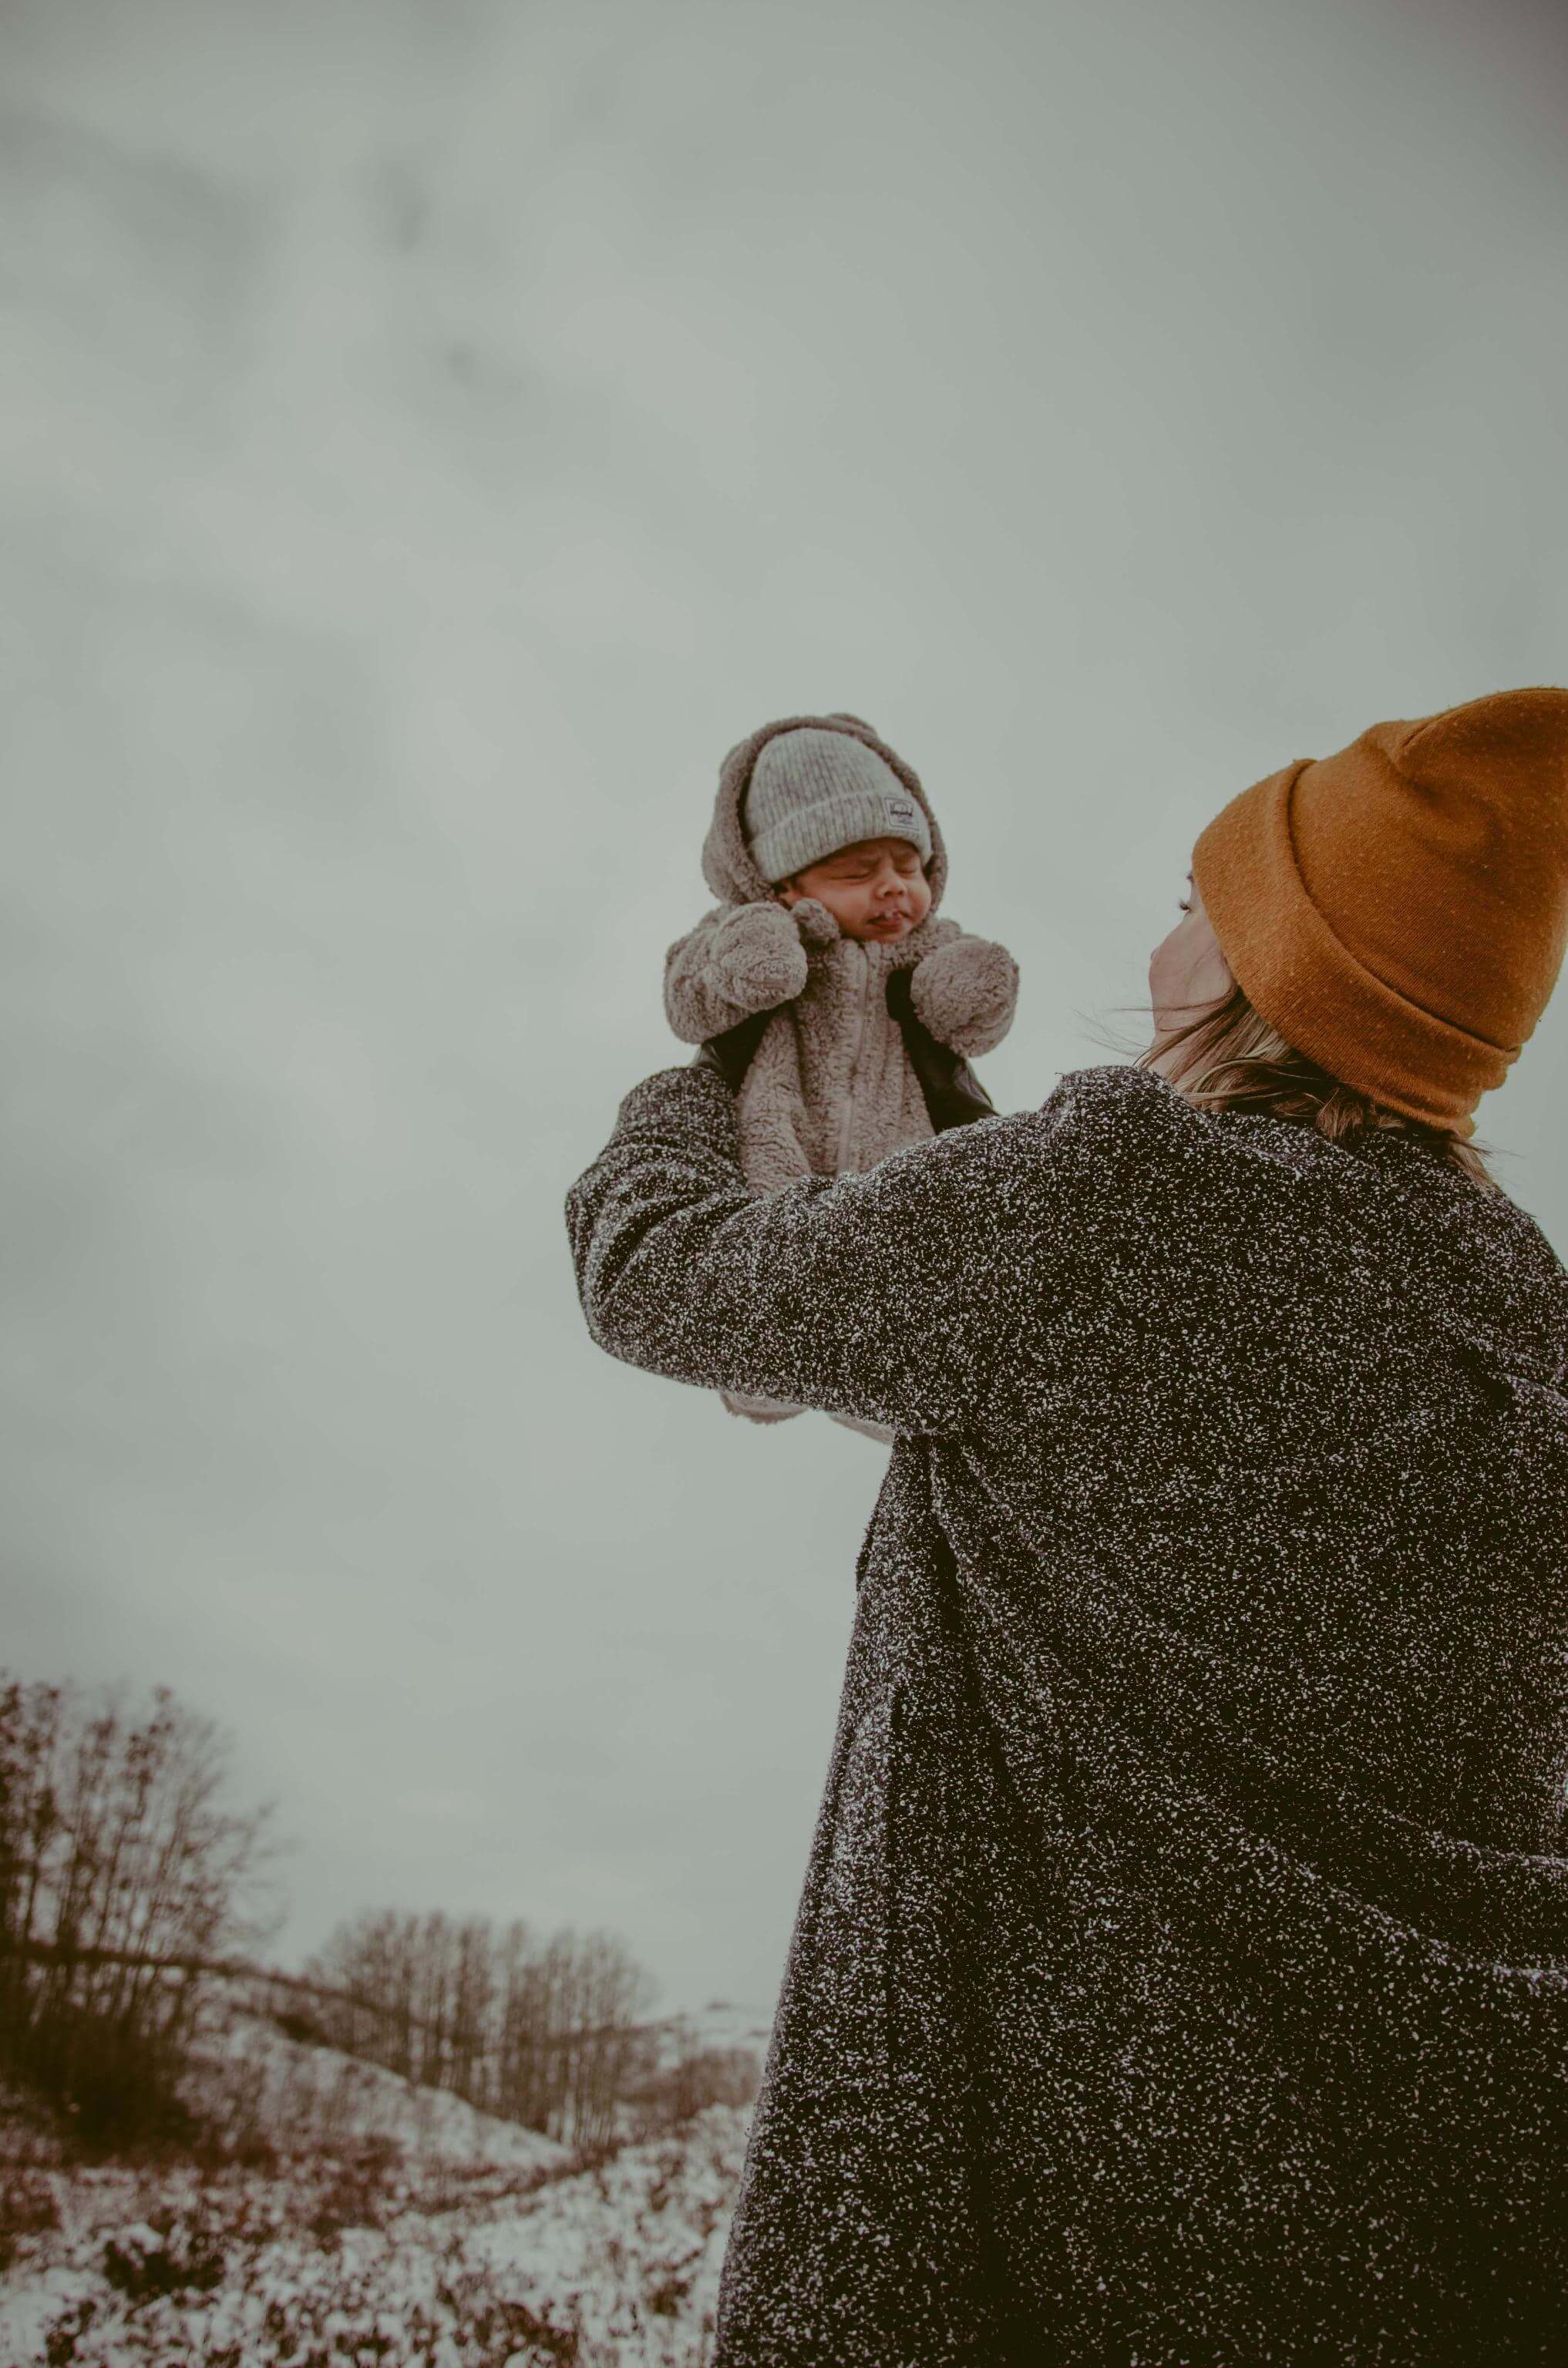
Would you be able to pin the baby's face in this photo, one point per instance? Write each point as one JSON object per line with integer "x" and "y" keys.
{"x": 876, "y": 889}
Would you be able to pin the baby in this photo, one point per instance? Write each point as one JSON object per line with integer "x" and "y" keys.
{"x": 830, "y": 865}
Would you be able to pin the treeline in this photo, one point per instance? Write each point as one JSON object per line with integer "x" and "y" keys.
{"x": 545, "y": 2032}
{"x": 131, "y": 1889}
{"x": 122, "y": 1865}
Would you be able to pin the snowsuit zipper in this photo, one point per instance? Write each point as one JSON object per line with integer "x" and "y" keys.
{"x": 846, "y": 1125}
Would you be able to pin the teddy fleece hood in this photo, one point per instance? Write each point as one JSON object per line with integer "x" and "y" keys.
{"x": 727, "y": 864}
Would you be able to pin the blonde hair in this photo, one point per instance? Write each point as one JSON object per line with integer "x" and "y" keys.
{"x": 1230, "y": 1058}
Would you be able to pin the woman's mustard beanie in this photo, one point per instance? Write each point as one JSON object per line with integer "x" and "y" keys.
{"x": 1399, "y": 911}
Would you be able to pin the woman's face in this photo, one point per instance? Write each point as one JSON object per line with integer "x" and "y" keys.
{"x": 1187, "y": 973}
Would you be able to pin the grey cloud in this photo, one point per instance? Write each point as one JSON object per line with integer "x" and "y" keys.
{"x": 433, "y": 436}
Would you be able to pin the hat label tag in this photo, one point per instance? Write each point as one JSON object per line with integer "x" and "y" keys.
{"x": 899, "y": 809}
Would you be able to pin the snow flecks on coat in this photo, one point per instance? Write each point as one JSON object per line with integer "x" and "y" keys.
{"x": 1181, "y": 1972}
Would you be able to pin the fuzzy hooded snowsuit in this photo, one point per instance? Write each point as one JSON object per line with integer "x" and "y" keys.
{"x": 831, "y": 1088}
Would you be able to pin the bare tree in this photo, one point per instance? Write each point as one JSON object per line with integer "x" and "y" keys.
{"x": 122, "y": 1864}
{"x": 541, "y": 2033}
{"x": 129, "y": 1883}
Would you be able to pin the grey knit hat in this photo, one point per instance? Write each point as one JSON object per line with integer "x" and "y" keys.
{"x": 814, "y": 792}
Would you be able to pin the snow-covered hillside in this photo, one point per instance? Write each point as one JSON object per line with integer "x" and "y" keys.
{"x": 397, "y": 2226}
{"x": 249, "y": 2076}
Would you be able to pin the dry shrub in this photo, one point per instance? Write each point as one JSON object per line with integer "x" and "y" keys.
{"x": 169, "y": 2256}
{"x": 358, "y": 2184}
{"x": 120, "y": 2087}
{"x": 665, "y": 2099}
{"x": 27, "y": 2208}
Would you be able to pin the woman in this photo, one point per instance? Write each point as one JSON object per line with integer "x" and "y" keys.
{"x": 1181, "y": 1974}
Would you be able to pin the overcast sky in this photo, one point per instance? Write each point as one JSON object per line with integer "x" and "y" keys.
{"x": 431, "y": 435}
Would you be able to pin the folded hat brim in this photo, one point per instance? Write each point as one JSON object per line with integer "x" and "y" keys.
{"x": 1306, "y": 983}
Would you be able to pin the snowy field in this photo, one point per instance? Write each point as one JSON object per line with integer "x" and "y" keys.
{"x": 369, "y": 2259}
{"x": 379, "y": 2223}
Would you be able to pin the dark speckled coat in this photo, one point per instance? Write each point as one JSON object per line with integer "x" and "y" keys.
{"x": 1181, "y": 1976}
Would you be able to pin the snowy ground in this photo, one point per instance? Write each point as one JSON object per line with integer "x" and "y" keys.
{"x": 415, "y": 2232}
{"x": 611, "y": 2267}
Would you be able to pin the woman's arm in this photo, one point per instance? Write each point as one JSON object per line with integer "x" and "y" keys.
{"x": 890, "y": 1294}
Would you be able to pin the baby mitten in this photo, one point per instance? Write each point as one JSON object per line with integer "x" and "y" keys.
{"x": 815, "y": 923}
{"x": 740, "y": 960}
{"x": 966, "y": 994}
{"x": 756, "y": 958}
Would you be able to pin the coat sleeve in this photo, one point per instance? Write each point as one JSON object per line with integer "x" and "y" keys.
{"x": 889, "y": 1294}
